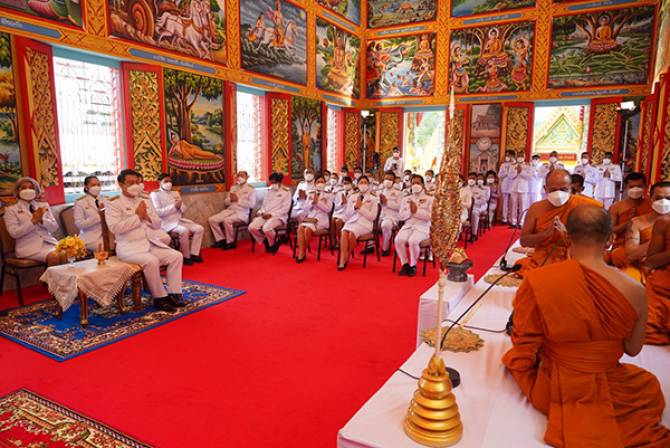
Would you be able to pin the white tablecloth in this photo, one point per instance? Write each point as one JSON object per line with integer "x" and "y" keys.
{"x": 494, "y": 412}
{"x": 453, "y": 294}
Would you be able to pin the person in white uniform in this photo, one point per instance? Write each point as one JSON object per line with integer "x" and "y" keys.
{"x": 608, "y": 174}
{"x": 318, "y": 206}
{"x": 129, "y": 218}
{"x": 30, "y": 222}
{"x": 505, "y": 175}
{"x": 429, "y": 181}
{"x": 494, "y": 194}
{"x": 553, "y": 163}
{"x": 300, "y": 195}
{"x": 481, "y": 194}
{"x": 88, "y": 214}
{"x": 521, "y": 178}
{"x": 391, "y": 200}
{"x": 465, "y": 196}
{"x": 358, "y": 173}
{"x": 272, "y": 214}
{"x": 589, "y": 173}
{"x": 160, "y": 234}
{"x": 536, "y": 183}
{"x": 342, "y": 211}
{"x": 363, "y": 212}
{"x": 407, "y": 180}
{"x": 416, "y": 211}
{"x": 394, "y": 163}
{"x": 241, "y": 199}
{"x": 333, "y": 185}
{"x": 170, "y": 207}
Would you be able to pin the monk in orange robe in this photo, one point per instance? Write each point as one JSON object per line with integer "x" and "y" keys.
{"x": 635, "y": 204}
{"x": 544, "y": 228}
{"x": 572, "y": 322}
{"x": 658, "y": 281}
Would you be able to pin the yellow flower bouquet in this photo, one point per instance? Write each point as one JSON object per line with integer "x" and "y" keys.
{"x": 73, "y": 247}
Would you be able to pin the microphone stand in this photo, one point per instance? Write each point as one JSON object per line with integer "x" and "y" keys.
{"x": 503, "y": 261}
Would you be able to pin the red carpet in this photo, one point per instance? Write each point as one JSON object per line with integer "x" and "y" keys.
{"x": 285, "y": 365}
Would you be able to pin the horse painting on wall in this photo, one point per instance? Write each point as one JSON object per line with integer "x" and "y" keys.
{"x": 337, "y": 59}
{"x": 273, "y": 36}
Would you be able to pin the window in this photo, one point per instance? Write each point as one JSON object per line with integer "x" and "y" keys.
{"x": 88, "y": 100}
{"x": 249, "y": 145}
{"x": 331, "y": 153}
{"x": 563, "y": 129}
{"x": 423, "y": 140}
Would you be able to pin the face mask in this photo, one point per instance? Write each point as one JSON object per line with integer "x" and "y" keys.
{"x": 635, "y": 192}
{"x": 585, "y": 161}
{"x": 480, "y": 182}
{"x": 388, "y": 183}
{"x": 508, "y": 159}
{"x": 28, "y": 194}
{"x": 490, "y": 180}
{"x": 607, "y": 161}
{"x": 320, "y": 186}
{"x": 343, "y": 174}
{"x": 416, "y": 188}
{"x": 141, "y": 184}
{"x": 661, "y": 206}
{"x": 358, "y": 175}
{"x": 406, "y": 178}
{"x": 553, "y": 159}
{"x": 429, "y": 178}
{"x": 520, "y": 160}
{"x": 274, "y": 187}
{"x": 241, "y": 180}
{"x": 332, "y": 181}
{"x": 472, "y": 182}
{"x": 167, "y": 186}
{"x": 558, "y": 198}
{"x": 94, "y": 191}
{"x": 134, "y": 190}
{"x": 398, "y": 186}
{"x": 364, "y": 188}
{"x": 309, "y": 177}
{"x": 536, "y": 162}
{"x": 327, "y": 177}
{"x": 348, "y": 187}
{"x": 396, "y": 155}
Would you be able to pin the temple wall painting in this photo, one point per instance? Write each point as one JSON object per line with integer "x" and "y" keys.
{"x": 337, "y": 59}
{"x": 401, "y": 66}
{"x": 10, "y": 151}
{"x": 194, "y": 127}
{"x": 273, "y": 38}
{"x": 493, "y": 58}
{"x": 484, "y": 144}
{"x": 461, "y": 8}
{"x": 602, "y": 48}
{"x": 66, "y": 12}
{"x": 306, "y": 136}
{"x": 383, "y": 13}
{"x": 349, "y": 9}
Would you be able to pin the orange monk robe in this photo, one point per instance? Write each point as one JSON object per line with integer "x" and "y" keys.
{"x": 621, "y": 261}
{"x": 616, "y": 256}
{"x": 658, "y": 299}
{"x": 553, "y": 249}
{"x": 568, "y": 338}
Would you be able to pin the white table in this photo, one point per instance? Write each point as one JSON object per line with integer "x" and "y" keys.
{"x": 494, "y": 412}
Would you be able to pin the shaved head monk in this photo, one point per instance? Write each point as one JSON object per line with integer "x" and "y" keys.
{"x": 544, "y": 228}
{"x": 658, "y": 281}
{"x": 573, "y": 321}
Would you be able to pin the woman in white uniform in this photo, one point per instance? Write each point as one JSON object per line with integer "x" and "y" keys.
{"x": 318, "y": 205}
{"x": 342, "y": 213}
{"x": 88, "y": 212}
{"x": 363, "y": 210}
{"x": 31, "y": 224}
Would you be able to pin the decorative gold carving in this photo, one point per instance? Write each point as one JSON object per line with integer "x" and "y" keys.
{"x": 389, "y": 123}
{"x": 42, "y": 119}
{"x": 604, "y": 130}
{"x": 280, "y": 131}
{"x": 352, "y": 139}
{"x": 664, "y": 173}
{"x": 458, "y": 339}
{"x": 145, "y": 122}
{"x": 645, "y": 139}
{"x": 516, "y": 135}
{"x": 232, "y": 114}
{"x": 233, "y": 33}
{"x": 96, "y": 17}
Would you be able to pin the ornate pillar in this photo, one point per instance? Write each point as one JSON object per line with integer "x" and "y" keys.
{"x": 518, "y": 126}
{"x": 661, "y": 153}
{"x": 390, "y": 132}
{"x": 646, "y": 139}
{"x": 604, "y": 128}
{"x": 279, "y": 134}
{"x": 352, "y": 138}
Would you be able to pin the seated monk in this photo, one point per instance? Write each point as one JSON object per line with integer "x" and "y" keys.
{"x": 572, "y": 323}
{"x": 658, "y": 281}
{"x": 636, "y": 203}
{"x": 544, "y": 228}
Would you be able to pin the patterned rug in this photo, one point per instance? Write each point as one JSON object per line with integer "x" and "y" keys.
{"x": 28, "y": 420}
{"x": 36, "y": 326}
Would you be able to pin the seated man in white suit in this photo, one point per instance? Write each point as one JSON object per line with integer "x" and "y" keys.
{"x": 170, "y": 207}
{"x": 88, "y": 212}
{"x": 31, "y": 224}
{"x": 240, "y": 200}
{"x": 272, "y": 214}
{"x": 416, "y": 211}
{"x": 131, "y": 219}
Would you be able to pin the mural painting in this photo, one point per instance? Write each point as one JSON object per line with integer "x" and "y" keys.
{"x": 485, "y": 120}
{"x": 10, "y": 153}
{"x": 337, "y": 59}
{"x": 382, "y": 13}
{"x": 460, "y": 8}
{"x": 349, "y": 9}
{"x": 306, "y": 121}
{"x": 63, "y": 11}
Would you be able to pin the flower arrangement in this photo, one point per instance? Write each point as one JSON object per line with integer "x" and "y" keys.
{"x": 72, "y": 246}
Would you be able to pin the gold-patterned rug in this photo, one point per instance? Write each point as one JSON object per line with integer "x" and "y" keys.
{"x": 459, "y": 339}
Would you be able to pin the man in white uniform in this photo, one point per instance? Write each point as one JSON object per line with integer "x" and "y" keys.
{"x": 416, "y": 211}
{"x": 608, "y": 174}
{"x": 300, "y": 195}
{"x": 153, "y": 233}
{"x": 394, "y": 163}
{"x": 129, "y": 218}
{"x": 272, "y": 214}
{"x": 391, "y": 200}
{"x": 170, "y": 207}
{"x": 521, "y": 176}
{"x": 505, "y": 178}
{"x": 241, "y": 199}
{"x": 539, "y": 174}
{"x": 88, "y": 212}
{"x": 589, "y": 173}
{"x": 481, "y": 195}
{"x": 553, "y": 163}
{"x": 429, "y": 181}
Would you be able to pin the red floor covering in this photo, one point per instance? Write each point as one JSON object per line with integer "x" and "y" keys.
{"x": 284, "y": 365}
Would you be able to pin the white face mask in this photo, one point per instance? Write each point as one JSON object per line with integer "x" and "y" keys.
{"x": 635, "y": 192}
{"x": 94, "y": 191}
{"x": 508, "y": 159}
{"x": 167, "y": 186}
{"x": 141, "y": 184}
{"x": 553, "y": 159}
{"x": 348, "y": 187}
{"x": 343, "y": 174}
{"x": 490, "y": 180}
{"x": 558, "y": 198}
{"x": 332, "y": 181}
{"x": 388, "y": 183}
{"x": 480, "y": 182}
{"x": 607, "y": 161}
{"x": 585, "y": 161}
{"x": 472, "y": 182}
{"x": 536, "y": 162}
{"x": 326, "y": 177}
{"x": 28, "y": 194}
{"x": 274, "y": 187}
{"x": 320, "y": 186}
{"x": 398, "y": 186}
{"x": 134, "y": 190}
{"x": 520, "y": 160}
{"x": 396, "y": 155}
{"x": 429, "y": 178}
{"x": 309, "y": 177}
{"x": 416, "y": 188}
{"x": 406, "y": 178}
{"x": 241, "y": 180}
{"x": 363, "y": 188}
{"x": 661, "y": 206}
{"x": 358, "y": 175}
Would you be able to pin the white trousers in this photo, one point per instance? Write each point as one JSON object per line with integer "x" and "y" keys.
{"x": 45, "y": 250}
{"x": 387, "y": 225}
{"x": 506, "y": 199}
{"x": 519, "y": 206}
{"x": 607, "y": 202}
{"x": 476, "y": 215}
{"x": 493, "y": 207}
{"x": 261, "y": 228}
{"x": 409, "y": 239}
{"x": 226, "y": 217}
{"x": 187, "y": 245}
{"x": 298, "y": 214}
{"x": 151, "y": 264}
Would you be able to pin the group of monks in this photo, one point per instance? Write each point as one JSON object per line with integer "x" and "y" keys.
{"x": 582, "y": 304}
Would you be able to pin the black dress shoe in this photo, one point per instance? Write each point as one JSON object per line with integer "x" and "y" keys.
{"x": 300, "y": 260}
{"x": 386, "y": 253}
{"x": 163, "y": 304}
{"x": 404, "y": 269}
{"x": 176, "y": 301}
{"x": 219, "y": 244}
{"x": 342, "y": 268}
{"x": 4, "y": 313}
{"x": 267, "y": 245}
{"x": 188, "y": 261}
{"x": 197, "y": 258}
{"x": 411, "y": 271}
{"x": 230, "y": 246}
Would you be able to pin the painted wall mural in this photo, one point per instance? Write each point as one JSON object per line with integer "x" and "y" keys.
{"x": 401, "y": 66}
{"x": 492, "y": 58}
{"x": 191, "y": 27}
{"x": 383, "y": 13}
{"x": 485, "y": 126}
{"x": 10, "y": 152}
{"x": 460, "y": 8}
{"x": 306, "y": 122}
{"x": 349, "y": 9}
{"x": 194, "y": 124}
{"x": 63, "y": 11}
{"x": 273, "y": 36}
{"x": 337, "y": 59}
{"x": 662, "y": 40}
{"x": 602, "y": 48}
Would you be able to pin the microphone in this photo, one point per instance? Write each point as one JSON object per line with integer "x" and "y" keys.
{"x": 503, "y": 261}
